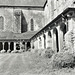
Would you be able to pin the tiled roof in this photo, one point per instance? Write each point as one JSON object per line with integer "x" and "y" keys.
{"x": 10, "y": 35}
{"x": 22, "y": 2}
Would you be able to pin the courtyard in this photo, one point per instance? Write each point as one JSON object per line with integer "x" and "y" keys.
{"x": 21, "y": 64}
{"x": 28, "y": 64}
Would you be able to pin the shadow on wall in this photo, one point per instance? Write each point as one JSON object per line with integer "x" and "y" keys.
{"x": 23, "y": 24}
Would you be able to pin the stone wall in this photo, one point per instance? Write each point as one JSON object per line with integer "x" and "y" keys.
{"x": 27, "y": 15}
{"x": 54, "y": 7}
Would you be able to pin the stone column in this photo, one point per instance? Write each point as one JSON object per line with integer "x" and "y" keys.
{"x": 14, "y": 46}
{"x": 46, "y": 39}
{"x": 38, "y": 42}
{"x": 8, "y": 45}
{"x": 3, "y": 44}
{"x": 52, "y": 39}
{"x": 42, "y": 38}
{"x": 20, "y": 45}
{"x": 60, "y": 38}
{"x": 25, "y": 46}
{"x": 31, "y": 44}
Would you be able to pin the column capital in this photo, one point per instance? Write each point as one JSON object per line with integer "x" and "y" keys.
{"x": 9, "y": 43}
{"x": 25, "y": 42}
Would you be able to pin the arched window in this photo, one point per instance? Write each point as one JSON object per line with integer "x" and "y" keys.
{"x": 1, "y": 23}
{"x": 49, "y": 33}
{"x": 32, "y": 25}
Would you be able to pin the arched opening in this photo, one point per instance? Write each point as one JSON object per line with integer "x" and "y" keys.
{"x": 1, "y": 46}
{"x": 44, "y": 40}
{"x": 56, "y": 43}
{"x": 23, "y": 47}
{"x": 32, "y": 24}
{"x": 1, "y": 22}
{"x": 63, "y": 28}
{"x": 18, "y": 46}
{"x": 49, "y": 40}
{"x": 49, "y": 34}
{"x": 28, "y": 45}
{"x": 6, "y": 46}
{"x": 12, "y": 46}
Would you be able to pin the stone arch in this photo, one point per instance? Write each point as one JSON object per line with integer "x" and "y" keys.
{"x": 49, "y": 34}
{"x": 12, "y": 46}
{"x": 63, "y": 29}
{"x": 23, "y": 45}
{"x": 6, "y": 46}
{"x": 49, "y": 41}
{"x": 1, "y": 46}
{"x": 56, "y": 43}
{"x": 28, "y": 45}
{"x": 44, "y": 36}
{"x": 1, "y": 22}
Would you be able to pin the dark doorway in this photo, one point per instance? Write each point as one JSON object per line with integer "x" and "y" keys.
{"x": 56, "y": 35}
{"x": 1, "y": 46}
{"x": 44, "y": 40}
{"x": 28, "y": 45}
{"x": 49, "y": 34}
{"x": 6, "y": 46}
{"x": 12, "y": 46}
{"x": 63, "y": 28}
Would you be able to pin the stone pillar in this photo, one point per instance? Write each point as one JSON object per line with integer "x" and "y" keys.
{"x": 52, "y": 39}
{"x": 14, "y": 45}
{"x": 49, "y": 40}
{"x": 31, "y": 44}
{"x": 38, "y": 42}
{"x": 8, "y": 45}
{"x": 3, "y": 44}
{"x": 60, "y": 38}
{"x": 46, "y": 39}
{"x": 35, "y": 43}
{"x": 54, "y": 42}
{"x": 42, "y": 38}
{"x": 70, "y": 24}
{"x": 20, "y": 45}
{"x": 25, "y": 46}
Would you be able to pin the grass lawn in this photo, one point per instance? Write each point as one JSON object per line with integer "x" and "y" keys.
{"x": 28, "y": 64}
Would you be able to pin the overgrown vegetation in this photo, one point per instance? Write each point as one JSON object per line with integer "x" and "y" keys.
{"x": 63, "y": 60}
{"x": 48, "y": 53}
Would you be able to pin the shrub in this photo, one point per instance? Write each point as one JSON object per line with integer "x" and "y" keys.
{"x": 48, "y": 53}
{"x": 63, "y": 60}
{"x": 40, "y": 51}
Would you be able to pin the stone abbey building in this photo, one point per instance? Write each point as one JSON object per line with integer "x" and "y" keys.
{"x": 35, "y": 24}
